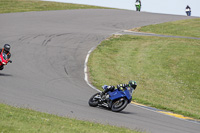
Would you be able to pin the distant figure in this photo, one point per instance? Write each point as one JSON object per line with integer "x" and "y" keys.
{"x": 138, "y": 5}
{"x": 188, "y": 10}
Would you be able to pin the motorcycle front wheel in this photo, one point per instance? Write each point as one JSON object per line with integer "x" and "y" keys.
{"x": 94, "y": 100}
{"x": 119, "y": 104}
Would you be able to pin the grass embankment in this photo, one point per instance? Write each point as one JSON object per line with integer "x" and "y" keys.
{"x": 189, "y": 28}
{"x": 8, "y": 6}
{"x": 166, "y": 70}
{"x": 18, "y": 120}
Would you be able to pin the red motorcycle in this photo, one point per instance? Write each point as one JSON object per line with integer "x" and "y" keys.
{"x": 4, "y": 60}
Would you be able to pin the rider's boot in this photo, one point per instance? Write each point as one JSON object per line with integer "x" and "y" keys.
{"x": 1, "y": 67}
{"x": 102, "y": 93}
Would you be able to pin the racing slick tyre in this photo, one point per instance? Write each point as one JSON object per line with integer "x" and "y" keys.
{"x": 119, "y": 104}
{"x": 94, "y": 100}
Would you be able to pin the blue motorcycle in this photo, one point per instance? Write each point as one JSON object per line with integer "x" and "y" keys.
{"x": 116, "y": 100}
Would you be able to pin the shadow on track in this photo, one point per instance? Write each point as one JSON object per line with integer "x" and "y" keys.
{"x": 121, "y": 112}
{"x": 2, "y": 74}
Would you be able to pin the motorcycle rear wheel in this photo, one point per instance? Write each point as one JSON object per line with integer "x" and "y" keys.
{"x": 119, "y": 104}
{"x": 92, "y": 101}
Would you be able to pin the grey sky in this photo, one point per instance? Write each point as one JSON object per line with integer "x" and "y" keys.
{"x": 156, "y": 6}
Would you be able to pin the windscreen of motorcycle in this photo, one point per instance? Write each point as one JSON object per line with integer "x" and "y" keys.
{"x": 5, "y": 57}
{"x": 130, "y": 89}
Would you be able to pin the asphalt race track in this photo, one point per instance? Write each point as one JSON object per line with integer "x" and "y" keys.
{"x": 49, "y": 49}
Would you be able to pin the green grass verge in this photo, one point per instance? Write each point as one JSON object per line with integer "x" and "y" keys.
{"x": 188, "y": 27}
{"x": 19, "y": 120}
{"x": 166, "y": 70}
{"x": 8, "y": 6}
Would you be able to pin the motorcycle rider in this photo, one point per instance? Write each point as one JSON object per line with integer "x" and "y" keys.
{"x": 6, "y": 50}
{"x": 188, "y": 10}
{"x": 131, "y": 84}
{"x": 138, "y": 7}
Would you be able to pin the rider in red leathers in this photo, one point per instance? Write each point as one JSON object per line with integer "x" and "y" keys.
{"x": 5, "y": 50}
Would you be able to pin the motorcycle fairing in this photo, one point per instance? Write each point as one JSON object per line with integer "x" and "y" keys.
{"x": 119, "y": 94}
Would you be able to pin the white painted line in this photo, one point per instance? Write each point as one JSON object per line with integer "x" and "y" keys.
{"x": 128, "y": 31}
{"x": 86, "y": 70}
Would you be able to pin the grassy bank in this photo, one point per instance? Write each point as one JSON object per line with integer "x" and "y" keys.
{"x": 166, "y": 70}
{"x": 8, "y": 6}
{"x": 189, "y": 28}
{"x": 18, "y": 120}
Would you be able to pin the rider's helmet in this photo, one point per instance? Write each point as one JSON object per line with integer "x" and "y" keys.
{"x": 7, "y": 47}
{"x": 132, "y": 84}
